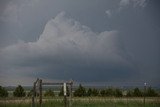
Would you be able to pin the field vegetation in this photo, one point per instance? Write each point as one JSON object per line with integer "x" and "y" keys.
{"x": 85, "y": 102}
{"x": 83, "y": 97}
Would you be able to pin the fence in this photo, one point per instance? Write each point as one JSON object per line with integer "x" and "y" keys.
{"x": 37, "y": 88}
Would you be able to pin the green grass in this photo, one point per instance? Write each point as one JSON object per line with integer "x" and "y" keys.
{"x": 88, "y": 102}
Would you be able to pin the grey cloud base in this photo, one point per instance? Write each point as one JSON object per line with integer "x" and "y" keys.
{"x": 66, "y": 49}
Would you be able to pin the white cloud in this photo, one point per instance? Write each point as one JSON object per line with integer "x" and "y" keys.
{"x": 65, "y": 41}
{"x": 68, "y": 36}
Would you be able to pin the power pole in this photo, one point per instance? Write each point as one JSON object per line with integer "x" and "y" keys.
{"x": 144, "y": 95}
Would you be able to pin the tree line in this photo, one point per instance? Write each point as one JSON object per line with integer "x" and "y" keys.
{"x": 84, "y": 92}
{"x": 116, "y": 92}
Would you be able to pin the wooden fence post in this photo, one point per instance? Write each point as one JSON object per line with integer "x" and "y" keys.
{"x": 37, "y": 87}
{"x": 40, "y": 93}
{"x": 65, "y": 94}
{"x": 33, "y": 94}
{"x": 70, "y": 93}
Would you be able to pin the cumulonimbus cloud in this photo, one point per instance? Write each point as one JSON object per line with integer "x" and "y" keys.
{"x": 66, "y": 45}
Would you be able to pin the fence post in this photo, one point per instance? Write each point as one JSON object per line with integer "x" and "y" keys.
{"x": 70, "y": 93}
{"x": 40, "y": 93}
{"x": 65, "y": 94}
{"x": 33, "y": 95}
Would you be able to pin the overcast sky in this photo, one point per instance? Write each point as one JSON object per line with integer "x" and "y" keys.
{"x": 115, "y": 41}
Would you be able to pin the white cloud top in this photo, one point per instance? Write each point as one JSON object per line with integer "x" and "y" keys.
{"x": 64, "y": 36}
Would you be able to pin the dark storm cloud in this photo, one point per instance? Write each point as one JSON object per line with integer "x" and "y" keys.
{"x": 17, "y": 17}
{"x": 66, "y": 49}
{"x": 121, "y": 42}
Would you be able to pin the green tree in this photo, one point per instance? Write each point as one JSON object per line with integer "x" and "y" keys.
{"x": 137, "y": 92}
{"x": 151, "y": 92}
{"x": 19, "y": 91}
{"x": 95, "y": 92}
{"x": 92, "y": 92}
{"x": 109, "y": 92}
{"x": 3, "y": 92}
{"x": 118, "y": 93}
{"x": 81, "y": 91}
{"x": 103, "y": 93}
{"x": 89, "y": 92}
{"x": 29, "y": 94}
{"x": 129, "y": 93}
{"x": 49, "y": 93}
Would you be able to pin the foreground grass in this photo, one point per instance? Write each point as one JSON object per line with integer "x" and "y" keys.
{"x": 87, "y": 102}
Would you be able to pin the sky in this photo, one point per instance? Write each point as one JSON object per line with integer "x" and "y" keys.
{"x": 99, "y": 41}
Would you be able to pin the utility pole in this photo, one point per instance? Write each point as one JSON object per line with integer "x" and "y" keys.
{"x": 144, "y": 95}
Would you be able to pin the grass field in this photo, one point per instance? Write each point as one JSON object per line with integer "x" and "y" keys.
{"x": 85, "y": 102}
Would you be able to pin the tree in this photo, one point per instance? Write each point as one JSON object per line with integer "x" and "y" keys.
{"x": 19, "y": 91}
{"x": 49, "y": 93}
{"x": 95, "y": 92}
{"x": 30, "y": 93}
{"x": 89, "y": 92}
{"x": 129, "y": 93}
{"x": 3, "y": 92}
{"x": 118, "y": 93}
{"x": 109, "y": 92}
{"x": 92, "y": 92}
{"x": 61, "y": 93}
{"x": 81, "y": 91}
{"x": 151, "y": 92}
{"x": 103, "y": 93}
{"x": 137, "y": 92}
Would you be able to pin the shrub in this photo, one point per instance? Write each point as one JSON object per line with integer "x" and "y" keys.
{"x": 92, "y": 92}
{"x": 137, "y": 92}
{"x": 110, "y": 92}
{"x": 118, "y": 93}
{"x": 30, "y": 93}
{"x": 103, "y": 93}
{"x": 19, "y": 91}
{"x": 81, "y": 91}
{"x": 129, "y": 93}
{"x": 151, "y": 92}
{"x": 3, "y": 92}
{"x": 89, "y": 92}
{"x": 49, "y": 93}
{"x": 95, "y": 92}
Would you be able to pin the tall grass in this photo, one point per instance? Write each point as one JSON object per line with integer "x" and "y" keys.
{"x": 88, "y": 102}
